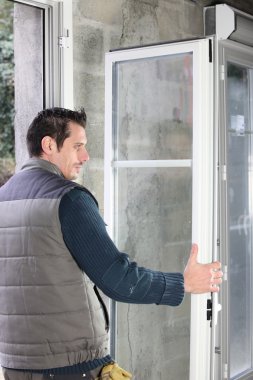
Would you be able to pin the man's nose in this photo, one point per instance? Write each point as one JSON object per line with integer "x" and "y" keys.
{"x": 85, "y": 156}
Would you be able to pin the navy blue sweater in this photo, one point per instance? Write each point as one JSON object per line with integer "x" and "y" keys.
{"x": 85, "y": 235}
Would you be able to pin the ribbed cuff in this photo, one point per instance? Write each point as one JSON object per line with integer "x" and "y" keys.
{"x": 174, "y": 289}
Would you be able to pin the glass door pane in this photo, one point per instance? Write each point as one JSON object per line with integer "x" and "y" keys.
{"x": 154, "y": 108}
{"x": 154, "y": 205}
{"x": 154, "y": 226}
{"x": 239, "y": 203}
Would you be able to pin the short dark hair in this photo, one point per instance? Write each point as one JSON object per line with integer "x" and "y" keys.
{"x": 53, "y": 122}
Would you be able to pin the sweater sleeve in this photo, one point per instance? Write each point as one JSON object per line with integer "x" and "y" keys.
{"x": 85, "y": 235}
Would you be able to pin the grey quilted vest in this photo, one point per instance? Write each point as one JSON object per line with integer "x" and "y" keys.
{"x": 50, "y": 315}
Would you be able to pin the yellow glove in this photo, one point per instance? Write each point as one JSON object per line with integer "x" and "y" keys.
{"x": 114, "y": 372}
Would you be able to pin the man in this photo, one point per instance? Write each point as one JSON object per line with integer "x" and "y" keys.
{"x": 54, "y": 248}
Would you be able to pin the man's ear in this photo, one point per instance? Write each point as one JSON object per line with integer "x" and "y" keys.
{"x": 48, "y": 145}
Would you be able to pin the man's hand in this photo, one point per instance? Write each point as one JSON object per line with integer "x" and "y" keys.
{"x": 201, "y": 278}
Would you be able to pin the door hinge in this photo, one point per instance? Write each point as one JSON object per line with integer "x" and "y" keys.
{"x": 212, "y": 310}
{"x": 63, "y": 41}
{"x": 222, "y": 72}
{"x": 217, "y": 350}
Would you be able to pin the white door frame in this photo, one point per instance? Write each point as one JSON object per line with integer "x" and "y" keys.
{"x": 203, "y": 174}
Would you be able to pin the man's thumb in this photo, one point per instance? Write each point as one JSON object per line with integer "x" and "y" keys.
{"x": 194, "y": 253}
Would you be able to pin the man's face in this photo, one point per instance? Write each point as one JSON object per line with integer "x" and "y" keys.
{"x": 73, "y": 154}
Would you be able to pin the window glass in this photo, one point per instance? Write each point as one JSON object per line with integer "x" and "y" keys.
{"x": 154, "y": 108}
{"x": 240, "y": 217}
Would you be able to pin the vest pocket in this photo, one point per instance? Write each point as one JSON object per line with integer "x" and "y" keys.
{"x": 104, "y": 308}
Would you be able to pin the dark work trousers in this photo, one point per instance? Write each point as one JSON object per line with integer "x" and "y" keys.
{"x": 10, "y": 374}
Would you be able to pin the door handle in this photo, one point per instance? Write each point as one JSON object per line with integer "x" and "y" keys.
{"x": 213, "y": 309}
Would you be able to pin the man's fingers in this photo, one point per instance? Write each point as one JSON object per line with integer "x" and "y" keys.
{"x": 216, "y": 280}
{"x": 214, "y": 288}
{"x": 216, "y": 271}
{"x": 217, "y": 274}
{"x": 216, "y": 265}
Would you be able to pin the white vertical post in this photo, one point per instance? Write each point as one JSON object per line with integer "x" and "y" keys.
{"x": 66, "y": 56}
{"x": 202, "y": 206}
